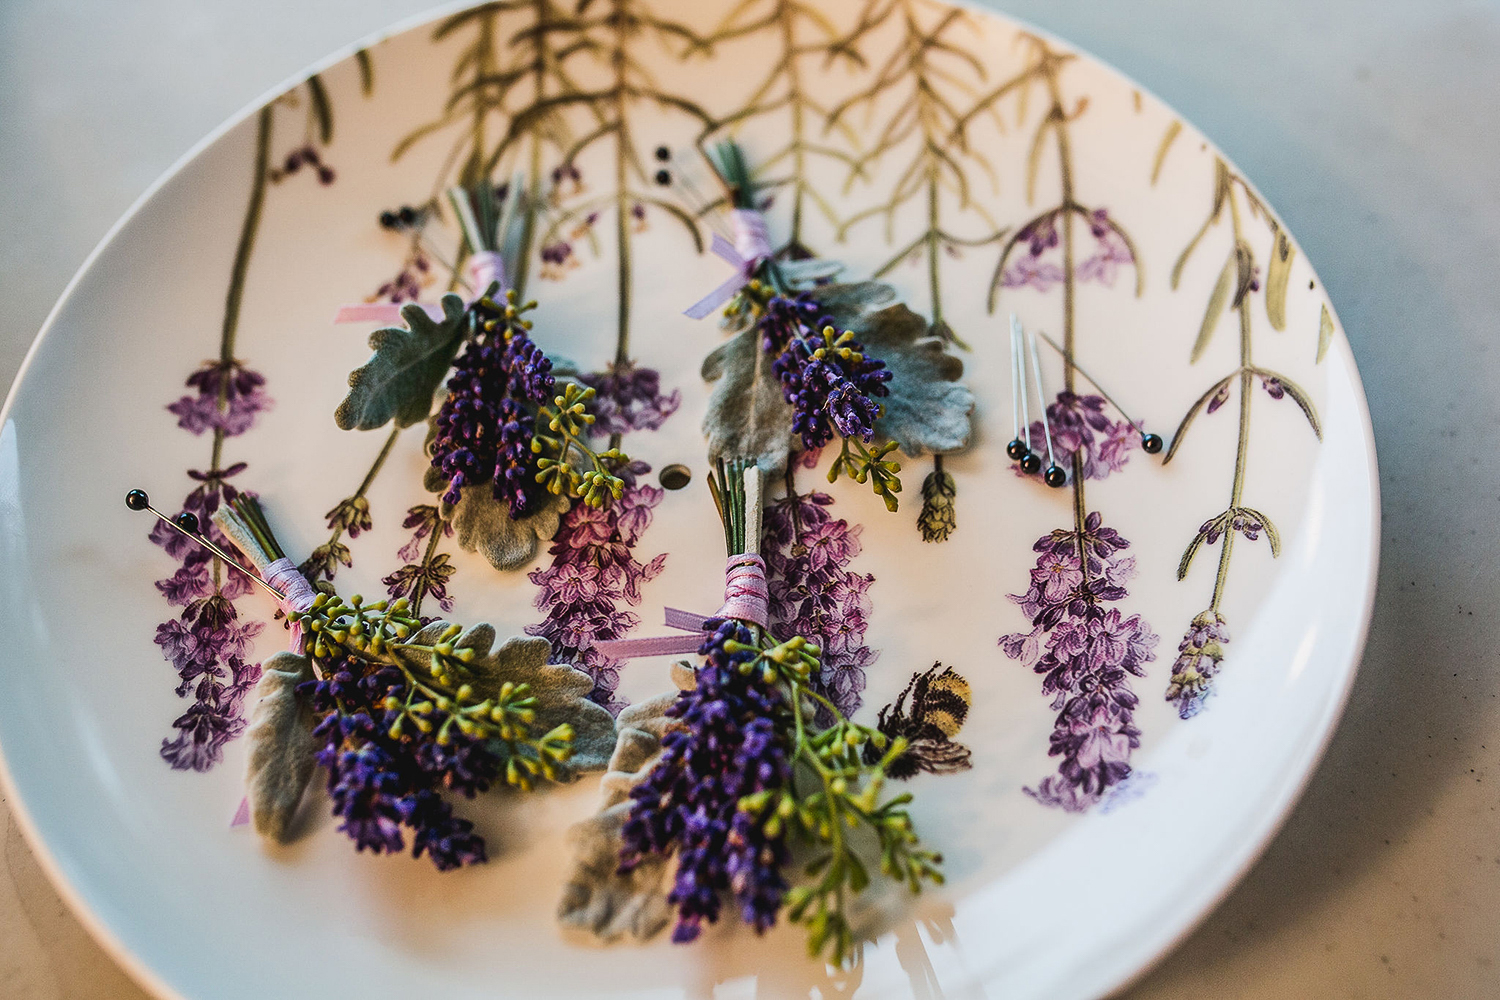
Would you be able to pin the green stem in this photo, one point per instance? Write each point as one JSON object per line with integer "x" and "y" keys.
{"x": 1242, "y": 448}
{"x": 622, "y": 199}
{"x": 1065, "y": 167}
{"x": 794, "y": 89}
{"x": 236, "y": 293}
{"x": 369, "y": 479}
{"x": 419, "y": 589}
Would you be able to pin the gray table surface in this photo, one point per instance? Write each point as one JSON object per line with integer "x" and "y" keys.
{"x": 1373, "y": 127}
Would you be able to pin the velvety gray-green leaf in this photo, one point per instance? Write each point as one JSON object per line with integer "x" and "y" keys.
{"x": 597, "y": 898}
{"x": 282, "y": 747}
{"x": 747, "y": 416}
{"x": 403, "y": 375}
{"x": 484, "y": 525}
{"x": 928, "y": 408}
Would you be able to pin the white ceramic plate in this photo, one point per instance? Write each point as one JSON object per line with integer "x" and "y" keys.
{"x": 1040, "y": 902}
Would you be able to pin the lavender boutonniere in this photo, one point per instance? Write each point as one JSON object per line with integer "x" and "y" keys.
{"x": 812, "y": 361}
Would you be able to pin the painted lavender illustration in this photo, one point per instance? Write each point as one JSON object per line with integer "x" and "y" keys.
{"x": 207, "y": 643}
{"x": 1201, "y": 651}
{"x": 1086, "y": 649}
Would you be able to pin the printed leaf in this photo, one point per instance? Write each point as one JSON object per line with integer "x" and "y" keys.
{"x": 484, "y": 525}
{"x": 561, "y": 690}
{"x": 1299, "y": 396}
{"x": 1216, "y": 303}
{"x": 1325, "y": 332}
{"x": 1193, "y": 412}
{"x": 1277, "y": 273}
{"x": 928, "y": 409}
{"x": 366, "y": 72}
{"x": 747, "y": 416}
{"x": 322, "y": 109}
{"x": 399, "y": 381}
{"x": 1167, "y": 139}
{"x": 280, "y": 738}
{"x": 1221, "y": 195}
{"x": 1192, "y": 549}
{"x": 1272, "y": 535}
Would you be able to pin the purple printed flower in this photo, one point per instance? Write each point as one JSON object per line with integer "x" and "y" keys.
{"x": 628, "y": 398}
{"x": 813, "y": 592}
{"x": 1087, "y": 653}
{"x": 229, "y": 398}
{"x": 1198, "y": 658}
{"x": 1081, "y": 425}
{"x": 1040, "y": 238}
{"x": 594, "y": 570}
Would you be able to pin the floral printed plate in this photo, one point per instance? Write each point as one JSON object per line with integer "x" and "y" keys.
{"x": 1127, "y": 765}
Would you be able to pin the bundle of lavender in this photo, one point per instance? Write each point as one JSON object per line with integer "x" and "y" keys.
{"x": 752, "y": 782}
{"x": 510, "y": 441}
{"x": 402, "y": 713}
{"x": 812, "y": 361}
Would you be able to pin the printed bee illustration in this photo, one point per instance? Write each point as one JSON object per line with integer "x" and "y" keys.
{"x": 939, "y": 706}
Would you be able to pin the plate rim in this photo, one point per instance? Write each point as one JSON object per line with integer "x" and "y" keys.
{"x": 1134, "y": 964}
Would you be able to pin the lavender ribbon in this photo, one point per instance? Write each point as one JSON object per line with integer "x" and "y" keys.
{"x": 745, "y": 598}
{"x": 482, "y": 268}
{"x": 751, "y": 248}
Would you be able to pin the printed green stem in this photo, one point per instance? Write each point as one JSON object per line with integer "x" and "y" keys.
{"x": 420, "y": 587}
{"x": 622, "y": 192}
{"x": 236, "y": 293}
{"x": 1242, "y": 447}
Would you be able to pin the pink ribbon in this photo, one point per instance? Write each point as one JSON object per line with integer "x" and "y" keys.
{"x": 482, "y": 268}
{"x": 751, "y": 248}
{"x": 745, "y": 598}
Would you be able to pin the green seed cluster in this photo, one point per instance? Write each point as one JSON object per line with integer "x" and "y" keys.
{"x": 568, "y": 421}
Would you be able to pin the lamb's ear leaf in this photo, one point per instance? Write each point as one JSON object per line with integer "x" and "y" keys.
{"x": 484, "y": 524}
{"x": 403, "y": 375}
{"x": 747, "y": 415}
{"x": 928, "y": 408}
{"x": 562, "y": 695}
{"x": 281, "y": 744}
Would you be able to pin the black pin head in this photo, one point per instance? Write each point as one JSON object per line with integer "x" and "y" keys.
{"x": 137, "y": 500}
{"x": 664, "y": 177}
{"x": 1055, "y": 476}
{"x": 1031, "y": 464}
{"x": 1151, "y": 443}
{"x": 187, "y": 521}
{"x": 1017, "y": 449}
{"x": 663, "y": 153}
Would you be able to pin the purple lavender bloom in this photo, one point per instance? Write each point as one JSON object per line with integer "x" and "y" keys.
{"x": 1087, "y": 653}
{"x": 1198, "y": 658}
{"x": 229, "y": 398}
{"x": 1081, "y": 425}
{"x": 485, "y": 425}
{"x": 628, "y": 398}
{"x": 728, "y": 747}
{"x": 383, "y": 786}
{"x": 815, "y": 595}
{"x": 593, "y": 571}
{"x": 832, "y": 386}
{"x": 784, "y": 318}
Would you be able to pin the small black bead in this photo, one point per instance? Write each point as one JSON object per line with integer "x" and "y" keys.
{"x": 187, "y": 521}
{"x": 1017, "y": 449}
{"x": 1031, "y": 464}
{"x": 1151, "y": 443}
{"x": 388, "y": 219}
{"x": 1055, "y": 476}
{"x": 664, "y": 177}
{"x": 408, "y": 215}
{"x": 137, "y": 500}
{"x": 675, "y": 476}
{"x": 663, "y": 153}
